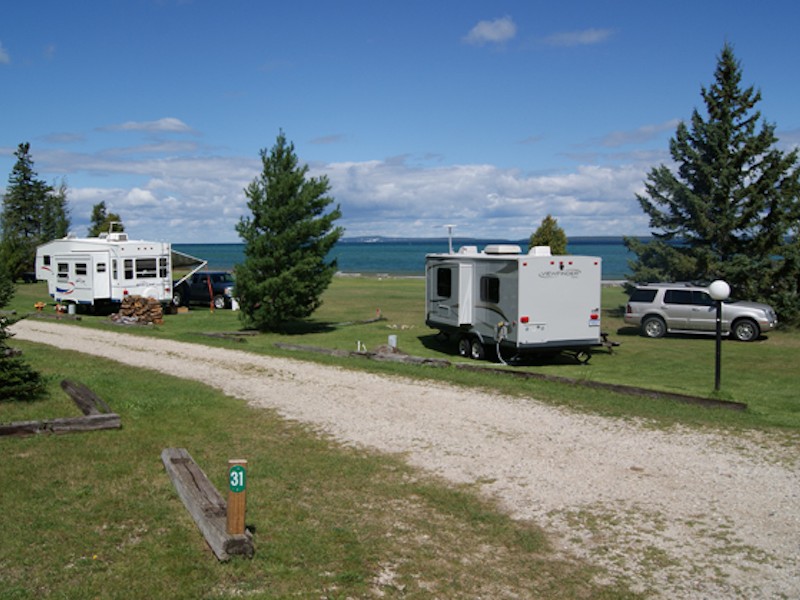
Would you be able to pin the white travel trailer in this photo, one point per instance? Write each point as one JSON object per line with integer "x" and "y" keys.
{"x": 516, "y": 303}
{"x": 105, "y": 269}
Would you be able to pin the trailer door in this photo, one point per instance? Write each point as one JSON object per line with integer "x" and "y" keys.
{"x": 101, "y": 269}
{"x": 466, "y": 274}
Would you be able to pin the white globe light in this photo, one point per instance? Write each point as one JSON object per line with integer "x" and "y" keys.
{"x": 719, "y": 290}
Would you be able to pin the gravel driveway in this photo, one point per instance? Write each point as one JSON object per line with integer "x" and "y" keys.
{"x": 678, "y": 513}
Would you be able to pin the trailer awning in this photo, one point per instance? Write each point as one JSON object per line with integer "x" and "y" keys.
{"x": 186, "y": 261}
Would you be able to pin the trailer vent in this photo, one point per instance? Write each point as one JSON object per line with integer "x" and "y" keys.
{"x": 540, "y": 251}
{"x": 502, "y": 249}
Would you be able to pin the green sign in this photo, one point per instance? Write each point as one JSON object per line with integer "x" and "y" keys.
{"x": 236, "y": 478}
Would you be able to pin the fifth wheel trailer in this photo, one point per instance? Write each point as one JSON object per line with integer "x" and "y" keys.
{"x": 105, "y": 269}
{"x": 513, "y": 302}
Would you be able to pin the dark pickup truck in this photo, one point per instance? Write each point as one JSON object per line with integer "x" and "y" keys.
{"x": 195, "y": 290}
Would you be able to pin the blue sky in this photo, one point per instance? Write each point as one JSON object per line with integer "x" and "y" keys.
{"x": 486, "y": 115}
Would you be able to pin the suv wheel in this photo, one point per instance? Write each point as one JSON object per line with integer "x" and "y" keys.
{"x": 219, "y": 302}
{"x": 745, "y": 330}
{"x": 177, "y": 298}
{"x": 654, "y": 327}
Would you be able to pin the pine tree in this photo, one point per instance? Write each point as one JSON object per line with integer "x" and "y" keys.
{"x": 287, "y": 240}
{"x": 101, "y": 220}
{"x": 55, "y": 214}
{"x": 17, "y": 380}
{"x": 550, "y": 234}
{"x": 730, "y": 209}
{"x": 33, "y": 213}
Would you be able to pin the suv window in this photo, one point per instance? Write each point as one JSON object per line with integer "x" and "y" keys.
{"x": 702, "y": 298}
{"x": 678, "y": 297}
{"x": 643, "y": 295}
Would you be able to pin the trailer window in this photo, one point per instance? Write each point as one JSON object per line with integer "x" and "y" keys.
{"x": 128, "y": 268}
{"x": 162, "y": 267}
{"x": 145, "y": 267}
{"x": 46, "y": 259}
{"x": 80, "y": 268}
{"x": 101, "y": 267}
{"x": 63, "y": 271}
{"x": 490, "y": 289}
{"x": 114, "y": 272}
{"x": 444, "y": 283}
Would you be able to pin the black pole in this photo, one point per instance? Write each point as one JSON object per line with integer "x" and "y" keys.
{"x": 719, "y": 346}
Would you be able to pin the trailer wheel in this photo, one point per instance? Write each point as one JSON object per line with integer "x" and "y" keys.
{"x": 583, "y": 356}
{"x": 464, "y": 346}
{"x": 477, "y": 350}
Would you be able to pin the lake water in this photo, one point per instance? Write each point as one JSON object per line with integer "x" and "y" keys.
{"x": 407, "y": 257}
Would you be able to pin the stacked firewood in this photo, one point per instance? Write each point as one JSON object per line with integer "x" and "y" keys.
{"x": 138, "y": 309}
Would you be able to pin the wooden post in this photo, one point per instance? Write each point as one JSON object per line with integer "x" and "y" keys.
{"x": 237, "y": 496}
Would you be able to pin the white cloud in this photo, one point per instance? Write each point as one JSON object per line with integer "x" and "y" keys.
{"x": 168, "y": 124}
{"x": 638, "y": 136}
{"x": 584, "y": 37}
{"x": 201, "y": 199}
{"x": 492, "y": 32}
{"x": 5, "y": 58}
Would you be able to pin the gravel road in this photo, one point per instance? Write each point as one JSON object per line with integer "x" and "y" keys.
{"x": 678, "y": 513}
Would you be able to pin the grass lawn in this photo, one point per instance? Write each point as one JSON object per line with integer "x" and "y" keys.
{"x": 94, "y": 515}
{"x": 762, "y": 374}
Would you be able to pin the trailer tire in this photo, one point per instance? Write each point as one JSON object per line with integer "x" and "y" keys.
{"x": 464, "y": 346}
{"x": 583, "y": 357}
{"x": 477, "y": 350}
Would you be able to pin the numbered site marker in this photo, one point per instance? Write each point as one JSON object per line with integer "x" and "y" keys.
{"x": 237, "y": 478}
{"x": 237, "y": 494}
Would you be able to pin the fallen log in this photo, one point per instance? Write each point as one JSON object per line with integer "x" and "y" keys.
{"x": 89, "y": 402}
{"x": 205, "y": 505}
{"x": 62, "y": 425}
{"x": 97, "y": 415}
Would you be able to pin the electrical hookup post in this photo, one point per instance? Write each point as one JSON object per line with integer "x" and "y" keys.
{"x": 237, "y": 496}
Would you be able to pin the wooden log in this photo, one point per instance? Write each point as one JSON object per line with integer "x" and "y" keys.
{"x": 62, "y": 425}
{"x": 205, "y": 505}
{"x": 89, "y": 402}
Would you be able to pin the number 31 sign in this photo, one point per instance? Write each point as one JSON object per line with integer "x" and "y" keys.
{"x": 237, "y": 479}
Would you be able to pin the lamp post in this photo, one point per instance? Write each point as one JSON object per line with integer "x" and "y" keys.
{"x": 719, "y": 291}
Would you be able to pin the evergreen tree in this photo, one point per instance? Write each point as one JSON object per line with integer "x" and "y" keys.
{"x": 550, "y": 234}
{"x": 287, "y": 239}
{"x": 101, "y": 220}
{"x": 33, "y": 213}
{"x": 730, "y": 210}
{"x": 55, "y": 216}
{"x": 17, "y": 380}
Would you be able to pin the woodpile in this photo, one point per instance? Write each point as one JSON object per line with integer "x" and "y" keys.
{"x": 141, "y": 310}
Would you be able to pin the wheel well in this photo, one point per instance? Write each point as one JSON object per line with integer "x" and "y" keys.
{"x": 654, "y": 316}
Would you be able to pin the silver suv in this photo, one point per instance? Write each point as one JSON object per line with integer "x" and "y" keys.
{"x": 659, "y": 308}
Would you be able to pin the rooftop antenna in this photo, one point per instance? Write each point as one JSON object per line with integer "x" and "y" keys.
{"x": 450, "y": 237}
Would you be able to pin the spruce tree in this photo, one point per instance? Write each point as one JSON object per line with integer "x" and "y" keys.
{"x": 17, "y": 380}
{"x": 287, "y": 240}
{"x": 33, "y": 213}
{"x": 550, "y": 234}
{"x": 101, "y": 220}
{"x": 729, "y": 209}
